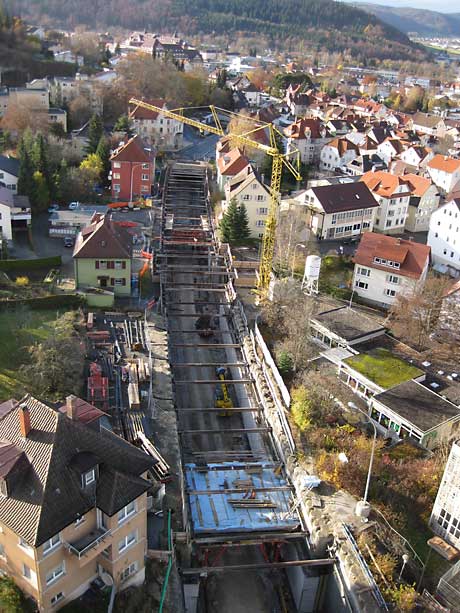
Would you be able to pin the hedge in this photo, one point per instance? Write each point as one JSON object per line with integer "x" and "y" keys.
{"x": 33, "y": 264}
{"x": 46, "y": 302}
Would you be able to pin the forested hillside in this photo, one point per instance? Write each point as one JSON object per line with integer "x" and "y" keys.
{"x": 425, "y": 23}
{"x": 318, "y": 23}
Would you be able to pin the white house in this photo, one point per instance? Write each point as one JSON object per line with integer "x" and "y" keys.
{"x": 309, "y": 136}
{"x": 337, "y": 154}
{"x": 154, "y": 128}
{"x": 229, "y": 164}
{"x": 417, "y": 156}
{"x": 9, "y": 172}
{"x": 445, "y": 172}
{"x": 444, "y": 237}
{"x": 445, "y": 516}
{"x": 433, "y": 125}
{"x": 340, "y": 210}
{"x": 386, "y": 267}
{"x": 423, "y": 201}
{"x": 15, "y": 213}
{"x": 248, "y": 189}
{"x": 393, "y": 195}
{"x": 390, "y": 149}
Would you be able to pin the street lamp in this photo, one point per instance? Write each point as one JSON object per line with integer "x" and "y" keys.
{"x": 293, "y": 261}
{"x": 363, "y": 504}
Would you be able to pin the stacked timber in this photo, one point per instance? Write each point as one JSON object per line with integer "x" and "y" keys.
{"x": 161, "y": 470}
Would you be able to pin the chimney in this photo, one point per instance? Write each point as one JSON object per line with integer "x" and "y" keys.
{"x": 24, "y": 420}
{"x": 71, "y": 407}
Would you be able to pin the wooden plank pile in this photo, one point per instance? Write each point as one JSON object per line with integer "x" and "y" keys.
{"x": 161, "y": 470}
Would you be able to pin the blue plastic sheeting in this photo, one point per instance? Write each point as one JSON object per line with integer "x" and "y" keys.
{"x": 214, "y": 512}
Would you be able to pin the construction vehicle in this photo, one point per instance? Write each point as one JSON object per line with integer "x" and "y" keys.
{"x": 246, "y": 139}
{"x": 222, "y": 398}
{"x": 205, "y": 325}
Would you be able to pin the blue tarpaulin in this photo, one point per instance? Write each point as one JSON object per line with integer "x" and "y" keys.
{"x": 214, "y": 512}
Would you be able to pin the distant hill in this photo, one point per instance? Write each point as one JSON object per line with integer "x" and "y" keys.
{"x": 425, "y": 23}
{"x": 324, "y": 24}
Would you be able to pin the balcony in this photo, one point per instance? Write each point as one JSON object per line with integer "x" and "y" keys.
{"x": 90, "y": 545}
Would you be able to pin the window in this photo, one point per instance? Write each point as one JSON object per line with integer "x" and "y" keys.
{"x": 388, "y": 224}
{"x": 260, "y": 223}
{"x": 89, "y": 477}
{"x": 53, "y": 542}
{"x": 145, "y": 188}
{"x": 145, "y": 166}
{"x": 116, "y": 187}
{"x": 2, "y": 551}
{"x": 26, "y": 572}
{"x": 247, "y": 197}
{"x": 119, "y": 265}
{"x": 145, "y": 177}
{"x": 361, "y": 285}
{"x": 128, "y": 571}
{"x": 254, "y": 186}
{"x": 390, "y": 292}
{"x": 27, "y": 548}
{"x": 55, "y": 574}
{"x": 348, "y": 228}
{"x": 120, "y": 282}
{"x": 116, "y": 175}
{"x": 261, "y": 198}
{"x": 365, "y": 272}
{"x": 262, "y": 211}
{"x": 129, "y": 540}
{"x": 393, "y": 279}
{"x": 3, "y": 488}
{"x": 55, "y": 599}
{"x": 357, "y": 226}
{"x": 117, "y": 165}
{"x": 126, "y": 512}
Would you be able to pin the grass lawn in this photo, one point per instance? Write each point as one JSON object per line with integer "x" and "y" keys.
{"x": 383, "y": 368}
{"x": 14, "y": 343}
{"x": 335, "y": 276}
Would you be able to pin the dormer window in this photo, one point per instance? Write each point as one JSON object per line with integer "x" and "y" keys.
{"x": 89, "y": 477}
{"x": 3, "y": 488}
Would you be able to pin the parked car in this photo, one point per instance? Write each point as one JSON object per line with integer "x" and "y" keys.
{"x": 68, "y": 241}
{"x": 73, "y": 206}
{"x": 53, "y": 208}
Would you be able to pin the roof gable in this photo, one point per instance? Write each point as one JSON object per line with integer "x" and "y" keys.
{"x": 131, "y": 151}
{"x": 103, "y": 239}
{"x": 344, "y": 197}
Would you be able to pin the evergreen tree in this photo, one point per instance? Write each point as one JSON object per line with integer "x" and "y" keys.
{"x": 41, "y": 194}
{"x": 26, "y": 170}
{"x": 123, "y": 125}
{"x": 58, "y": 181}
{"x": 103, "y": 154}
{"x": 39, "y": 155}
{"x": 229, "y": 222}
{"x": 95, "y": 131}
{"x": 242, "y": 231}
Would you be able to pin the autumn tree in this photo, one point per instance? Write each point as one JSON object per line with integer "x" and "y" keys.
{"x": 414, "y": 315}
{"x": 79, "y": 111}
{"x": 11, "y": 597}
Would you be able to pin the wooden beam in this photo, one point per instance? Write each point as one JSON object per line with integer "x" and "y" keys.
{"x": 259, "y": 566}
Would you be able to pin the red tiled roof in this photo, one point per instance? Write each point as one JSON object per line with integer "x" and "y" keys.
{"x": 444, "y": 163}
{"x": 231, "y": 163}
{"x": 418, "y": 185}
{"x": 140, "y": 112}
{"x": 298, "y": 129}
{"x": 85, "y": 412}
{"x": 131, "y": 151}
{"x": 103, "y": 239}
{"x": 384, "y": 184}
{"x": 411, "y": 256}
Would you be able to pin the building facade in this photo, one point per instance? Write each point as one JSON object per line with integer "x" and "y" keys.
{"x": 392, "y": 194}
{"x": 69, "y": 516}
{"x": 387, "y": 267}
{"x": 133, "y": 170}
{"x": 445, "y": 516}
{"x": 247, "y": 188}
{"x": 444, "y": 172}
{"x": 162, "y": 133}
{"x": 423, "y": 201}
{"x": 444, "y": 237}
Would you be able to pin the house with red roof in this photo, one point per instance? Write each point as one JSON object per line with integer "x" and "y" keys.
{"x": 156, "y": 130}
{"x": 445, "y": 172}
{"x": 386, "y": 266}
{"x": 229, "y": 164}
{"x": 308, "y": 135}
{"x": 102, "y": 257}
{"x": 337, "y": 154}
{"x": 133, "y": 169}
{"x": 392, "y": 194}
{"x": 423, "y": 201}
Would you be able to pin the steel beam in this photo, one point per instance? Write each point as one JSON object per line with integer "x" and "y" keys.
{"x": 218, "y": 409}
{"x": 207, "y": 364}
{"x": 259, "y": 566}
{"x": 228, "y": 431}
{"x": 208, "y": 345}
{"x": 195, "y": 289}
{"x": 213, "y": 381}
{"x": 280, "y": 488}
{"x": 252, "y": 539}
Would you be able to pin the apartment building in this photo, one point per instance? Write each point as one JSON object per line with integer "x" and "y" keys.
{"x": 445, "y": 516}
{"x": 392, "y": 194}
{"x": 9, "y": 172}
{"x": 444, "y": 172}
{"x": 386, "y": 267}
{"x": 72, "y": 504}
{"x": 15, "y": 213}
{"x": 229, "y": 163}
{"x": 247, "y": 188}
{"x": 337, "y": 154}
{"x": 309, "y": 136}
{"x": 133, "y": 169}
{"x": 444, "y": 237}
{"x": 423, "y": 201}
{"x": 155, "y": 129}
{"x": 339, "y": 210}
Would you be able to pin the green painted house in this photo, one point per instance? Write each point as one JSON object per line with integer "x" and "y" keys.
{"x": 102, "y": 257}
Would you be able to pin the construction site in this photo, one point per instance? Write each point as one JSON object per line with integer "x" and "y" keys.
{"x": 241, "y": 520}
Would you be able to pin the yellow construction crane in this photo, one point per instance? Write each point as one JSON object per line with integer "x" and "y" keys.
{"x": 279, "y": 159}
